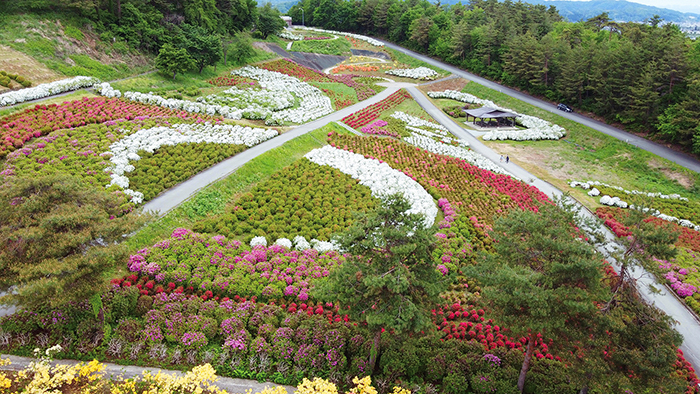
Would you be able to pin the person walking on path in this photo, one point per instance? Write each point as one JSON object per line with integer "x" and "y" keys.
{"x": 501, "y": 158}
{"x": 507, "y": 159}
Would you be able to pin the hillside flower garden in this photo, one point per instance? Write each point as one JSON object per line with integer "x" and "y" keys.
{"x": 422, "y": 73}
{"x": 238, "y": 291}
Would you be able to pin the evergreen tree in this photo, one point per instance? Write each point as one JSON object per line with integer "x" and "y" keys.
{"x": 269, "y": 21}
{"x": 59, "y": 239}
{"x": 173, "y": 60}
{"x": 541, "y": 278}
{"x": 390, "y": 281}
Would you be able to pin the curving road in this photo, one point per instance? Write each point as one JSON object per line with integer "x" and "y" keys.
{"x": 681, "y": 159}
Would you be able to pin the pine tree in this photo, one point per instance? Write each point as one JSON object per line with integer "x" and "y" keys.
{"x": 542, "y": 277}
{"x": 390, "y": 281}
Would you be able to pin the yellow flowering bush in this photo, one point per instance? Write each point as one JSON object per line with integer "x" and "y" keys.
{"x": 363, "y": 386}
{"x": 316, "y": 386}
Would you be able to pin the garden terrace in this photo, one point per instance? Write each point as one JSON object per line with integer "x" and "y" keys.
{"x": 18, "y": 128}
{"x": 478, "y": 193}
{"x": 304, "y": 199}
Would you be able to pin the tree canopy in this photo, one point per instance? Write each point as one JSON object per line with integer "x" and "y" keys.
{"x": 59, "y": 238}
{"x": 390, "y": 281}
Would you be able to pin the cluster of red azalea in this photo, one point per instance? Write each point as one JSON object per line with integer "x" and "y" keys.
{"x": 19, "y": 128}
{"x": 289, "y": 67}
{"x": 235, "y": 80}
{"x": 458, "y": 322}
{"x": 688, "y": 238}
{"x": 372, "y": 112}
{"x": 339, "y": 100}
{"x": 683, "y": 368}
{"x": 480, "y": 194}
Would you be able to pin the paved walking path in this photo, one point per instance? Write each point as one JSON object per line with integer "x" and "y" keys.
{"x": 180, "y": 193}
{"x": 688, "y": 324}
{"x": 237, "y": 386}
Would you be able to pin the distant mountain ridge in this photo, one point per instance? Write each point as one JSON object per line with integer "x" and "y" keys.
{"x": 618, "y": 10}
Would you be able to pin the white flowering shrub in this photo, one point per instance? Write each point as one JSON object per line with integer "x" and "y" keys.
{"x": 423, "y": 73}
{"x": 313, "y": 104}
{"x": 258, "y": 241}
{"x": 105, "y": 89}
{"x": 537, "y": 129}
{"x": 125, "y": 150}
{"x": 589, "y": 184}
{"x": 284, "y": 242}
{"x": 300, "y": 243}
{"x": 46, "y": 90}
{"x": 594, "y": 192}
{"x": 288, "y": 35}
{"x": 379, "y": 177}
{"x": 366, "y": 39}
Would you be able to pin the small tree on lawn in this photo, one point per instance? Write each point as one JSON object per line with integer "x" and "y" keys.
{"x": 390, "y": 281}
{"x": 202, "y": 46}
{"x": 269, "y": 21}
{"x": 173, "y": 60}
{"x": 58, "y": 239}
{"x": 542, "y": 276}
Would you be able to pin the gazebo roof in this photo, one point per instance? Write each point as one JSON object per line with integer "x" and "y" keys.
{"x": 489, "y": 113}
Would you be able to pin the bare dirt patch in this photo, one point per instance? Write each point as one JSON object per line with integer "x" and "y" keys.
{"x": 683, "y": 179}
{"x": 15, "y": 62}
{"x": 446, "y": 84}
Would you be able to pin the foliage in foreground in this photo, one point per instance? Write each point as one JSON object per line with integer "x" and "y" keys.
{"x": 58, "y": 238}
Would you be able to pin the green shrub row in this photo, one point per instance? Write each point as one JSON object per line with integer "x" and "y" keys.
{"x": 173, "y": 164}
{"x": 6, "y": 77}
{"x": 302, "y": 199}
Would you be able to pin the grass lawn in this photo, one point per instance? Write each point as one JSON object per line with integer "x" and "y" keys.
{"x": 586, "y": 154}
{"x": 339, "y": 46}
{"x": 213, "y": 199}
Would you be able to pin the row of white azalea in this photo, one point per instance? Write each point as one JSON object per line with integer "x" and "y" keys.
{"x": 379, "y": 177}
{"x": 313, "y": 104}
{"x": 299, "y": 243}
{"x": 46, "y": 90}
{"x": 439, "y": 140}
{"x": 288, "y": 35}
{"x": 274, "y": 101}
{"x": 592, "y": 184}
{"x": 126, "y": 150}
{"x": 423, "y": 73}
{"x": 618, "y": 202}
{"x": 366, "y": 39}
{"x": 227, "y": 112}
{"x": 537, "y": 129}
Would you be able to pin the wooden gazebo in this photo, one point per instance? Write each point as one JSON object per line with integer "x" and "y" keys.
{"x": 490, "y": 117}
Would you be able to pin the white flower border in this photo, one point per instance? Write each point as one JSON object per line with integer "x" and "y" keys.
{"x": 616, "y": 201}
{"x": 46, "y": 90}
{"x": 425, "y": 139}
{"x": 423, "y": 73}
{"x": 537, "y": 129}
{"x": 368, "y": 40}
{"x": 125, "y": 150}
{"x": 379, "y": 177}
{"x": 288, "y": 35}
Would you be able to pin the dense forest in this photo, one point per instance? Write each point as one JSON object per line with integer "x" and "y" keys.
{"x": 645, "y": 76}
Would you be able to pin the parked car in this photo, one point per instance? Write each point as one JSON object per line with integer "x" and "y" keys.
{"x": 564, "y": 107}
